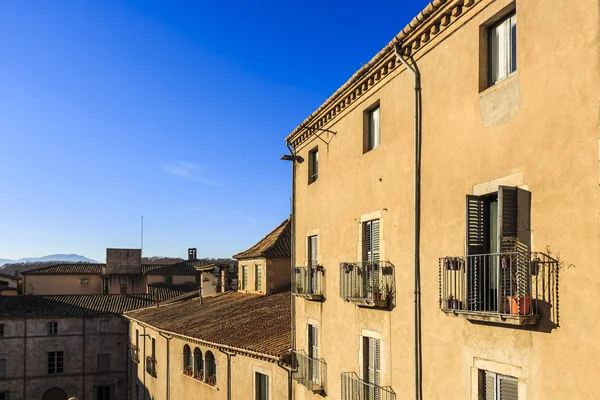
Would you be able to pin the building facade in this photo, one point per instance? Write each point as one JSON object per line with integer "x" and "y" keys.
{"x": 506, "y": 222}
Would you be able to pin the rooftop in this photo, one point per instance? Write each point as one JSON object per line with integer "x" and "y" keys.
{"x": 67, "y": 269}
{"x": 276, "y": 244}
{"x": 246, "y": 322}
{"x": 181, "y": 268}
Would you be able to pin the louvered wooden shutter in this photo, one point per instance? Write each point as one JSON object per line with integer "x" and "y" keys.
{"x": 509, "y": 388}
{"x": 507, "y": 218}
{"x": 368, "y": 245}
{"x": 372, "y": 240}
{"x": 490, "y": 386}
{"x": 477, "y": 225}
{"x": 313, "y": 250}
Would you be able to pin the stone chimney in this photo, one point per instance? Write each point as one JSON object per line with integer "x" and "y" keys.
{"x": 192, "y": 254}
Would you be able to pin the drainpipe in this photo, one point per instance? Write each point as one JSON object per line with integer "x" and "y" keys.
{"x": 289, "y": 373}
{"x": 24, "y": 357}
{"x": 229, "y": 355}
{"x": 293, "y": 259}
{"x": 417, "y": 229}
{"x": 144, "y": 361}
{"x": 168, "y": 364}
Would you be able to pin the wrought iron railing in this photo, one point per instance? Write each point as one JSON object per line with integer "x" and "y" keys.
{"x": 368, "y": 282}
{"x": 310, "y": 372}
{"x": 135, "y": 353}
{"x": 151, "y": 366}
{"x": 354, "y": 388}
{"x": 308, "y": 281}
{"x": 511, "y": 283}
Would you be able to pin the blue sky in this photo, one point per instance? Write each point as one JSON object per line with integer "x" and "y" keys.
{"x": 175, "y": 110}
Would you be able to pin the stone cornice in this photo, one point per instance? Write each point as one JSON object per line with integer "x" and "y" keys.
{"x": 435, "y": 19}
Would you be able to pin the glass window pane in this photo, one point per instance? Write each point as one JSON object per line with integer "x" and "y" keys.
{"x": 374, "y": 128}
{"x": 513, "y": 43}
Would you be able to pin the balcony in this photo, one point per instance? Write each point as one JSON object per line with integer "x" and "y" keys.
{"x": 367, "y": 283}
{"x": 310, "y": 372}
{"x": 354, "y": 388}
{"x": 151, "y": 366}
{"x": 508, "y": 288}
{"x": 308, "y": 282}
{"x": 135, "y": 353}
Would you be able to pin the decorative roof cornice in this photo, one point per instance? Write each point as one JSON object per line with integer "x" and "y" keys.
{"x": 435, "y": 19}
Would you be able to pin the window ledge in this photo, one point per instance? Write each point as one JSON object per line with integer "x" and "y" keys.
{"x": 213, "y": 387}
{"x": 500, "y": 84}
{"x": 495, "y": 318}
{"x": 310, "y": 297}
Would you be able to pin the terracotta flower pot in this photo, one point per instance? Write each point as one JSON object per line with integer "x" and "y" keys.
{"x": 524, "y": 302}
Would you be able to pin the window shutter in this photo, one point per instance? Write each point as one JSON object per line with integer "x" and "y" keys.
{"x": 509, "y": 388}
{"x": 477, "y": 229}
{"x": 313, "y": 250}
{"x": 368, "y": 237}
{"x": 375, "y": 240}
{"x": 95, "y": 392}
{"x": 490, "y": 386}
{"x": 507, "y": 218}
{"x": 313, "y": 341}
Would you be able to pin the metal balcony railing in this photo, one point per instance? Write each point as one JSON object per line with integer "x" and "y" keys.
{"x": 135, "y": 353}
{"x": 151, "y": 366}
{"x": 308, "y": 282}
{"x": 511, "y": 283}
{"x": 310, "y": 372}
{"x": 354, "y": 388}
{"x": 367, "y": 282}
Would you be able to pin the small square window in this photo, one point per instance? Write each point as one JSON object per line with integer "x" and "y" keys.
{"x": 313, "y": 165}
{"x": 84, "y": 281}
{"x": 103, "y": 362}
{"x": 52, "y": 328}
{"x": 502, "y": 49}
{"x": 103, "y": 325}
{"x": 372, "y": 137}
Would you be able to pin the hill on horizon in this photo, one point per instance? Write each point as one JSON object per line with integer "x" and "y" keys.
{"x": 73, "y": 258}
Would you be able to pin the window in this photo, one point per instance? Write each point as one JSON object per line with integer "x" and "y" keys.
{"x": 245, "y": 277}
{"x": 84, "y": 281}
{"x": 496, "y": 224}
{"x": 262, "y": 386}
{"x": 3, "y": 396}
{"x": 103, "y": 362}
{"x": 169, "y": 279}
{"x": 2, "y": 368}
{"x": 372, "y": 135}
{"x": 313, "y": 352}
{"x": 198, "y": 364}
{"x": 104, "y": 325}
{"x": 103, "y": 392}
{"x": 55, "y": 362}
{"x": 371, "y": 240}
{"x": 502, "y": 49}
{"x": 494, "y": 386}
{"x": 313, "y": 165}
{"x": 312, "y": 263}
{"x": 371, "y": 365}
{"x": 137, "y": 338}
{"x": 104, "y": 285}
{"x": 187, "y": 360}
{"x": 1, "y": 330}
{"x": 258, "y": 277}
{"x": 52, "y": 328}
{"x": 210, "y": 368}
{"x": 123, "y": 288}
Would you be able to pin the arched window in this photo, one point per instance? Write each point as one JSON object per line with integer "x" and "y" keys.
{"x": 210, "y": 368}
{"x": 198, "y": 364}
{"x": 187, "y": 360}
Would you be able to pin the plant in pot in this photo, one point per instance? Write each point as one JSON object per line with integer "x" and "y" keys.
{"x": 199, "y": 375}
{"x": 376, "y": 291}
{"x": 319, "y": 268}
{"x": 519, "y": 300}
{"x": 188, "y": 371}
{"x": 452, "y": 303}
{"x": 211, "y": 380}
{"x": 452, "y": 263}
{"x": 348, "y": 267}
{"x": 299, "y": 288}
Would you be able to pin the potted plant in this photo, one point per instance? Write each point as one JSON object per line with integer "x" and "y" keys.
{"x": 188, "y": 371}
{"x": 452, "y": 303}
{"x": 452, "y": 264}
{"x": 348, "y": 267}
{"x": 211, "y": 380}
{"x": 376, "y": 291}
{"x": 299, "y": 289}
{"x": 520, "y": 299}
{"x": 199, "y": 375}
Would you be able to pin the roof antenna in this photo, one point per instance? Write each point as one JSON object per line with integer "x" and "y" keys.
{"x": 142, "y": 239}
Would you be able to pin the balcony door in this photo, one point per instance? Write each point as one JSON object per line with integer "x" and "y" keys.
{"x": 313, "y": 353}
{"x": 312, "y": 263}
{"x": 371, "y": 281}
{"x": 371, "y": 367}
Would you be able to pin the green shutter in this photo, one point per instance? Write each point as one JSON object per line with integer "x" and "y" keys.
{"x": 509, "y": 388}
{"x": 477, "y": 225}
{"x": 490, "y": 386}
{"x": 507, "y": 218}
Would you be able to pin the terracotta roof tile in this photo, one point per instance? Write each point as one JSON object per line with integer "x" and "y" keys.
{"x": 277, "y": 244}
{"x": 67, "y": 269}
{"x": 181, "y": 268}
{"x": 255, "y": 323}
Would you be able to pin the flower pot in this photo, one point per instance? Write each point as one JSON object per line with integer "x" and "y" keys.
{"x": 348, "y": 268}
{"x": 523, "y": 301}
{"x": 453, "y": 304}
{"x": 377, "y": 296}
{"x": 299, "y": 290}
{"x": 452, "y": 264}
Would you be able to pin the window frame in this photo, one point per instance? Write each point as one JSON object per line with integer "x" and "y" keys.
{"x": 57, "y": 365}
{"x": 244, "y": 277}
{"x": 101, "y": 392}
{"x": 368, "y": 143}
{"x": 313, "y": 165}
{"x": 260, "y": 376}
{"x": 52, "y": 328}
{"x": 497, "y": 378}
{"x": 104, "y": 325}
{"x": 258, "y": 284}
{"x": 84, "y": 281}
{"x": 511, "y": 60}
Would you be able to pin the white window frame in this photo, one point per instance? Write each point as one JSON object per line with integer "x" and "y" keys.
{"x": 373, "y": 127}
{"x": 267, "y": 373}
{"x": 502, "y": 49}
{"x": 313, "y": 165}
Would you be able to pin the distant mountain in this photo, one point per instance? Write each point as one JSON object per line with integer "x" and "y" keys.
{"x": 72, "y": 258}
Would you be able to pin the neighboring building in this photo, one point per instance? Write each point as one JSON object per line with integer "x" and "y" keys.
{"x": 9, "y": 285}
{"x": 231, "y": 345}
{"x": 122, "y": 274}
{"x": 509, "y": 175}
{"x": 55, "y": 347}
{"x": 265, "y": 267}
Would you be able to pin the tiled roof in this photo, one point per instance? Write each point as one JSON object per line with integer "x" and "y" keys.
{"x": 7, "y": 276}
{"x": 67, "y": 269}
{"x": 277, "y": 244}
{"x": 71, "y": 305}
{"x": 181, "y": 268}
{"x": 161, "y": 291}
{"x": 255, "y": 323}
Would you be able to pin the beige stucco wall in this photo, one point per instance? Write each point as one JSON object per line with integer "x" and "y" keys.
{"x": 275, "y": 275}
{"x": 548, "y": 136}
{"x": 183, "y": 386}
{"x": 61, "y": 284}
{"x": 80, "y": 356}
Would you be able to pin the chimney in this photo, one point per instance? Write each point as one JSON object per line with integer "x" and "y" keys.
{"x": 192, "y": 254}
